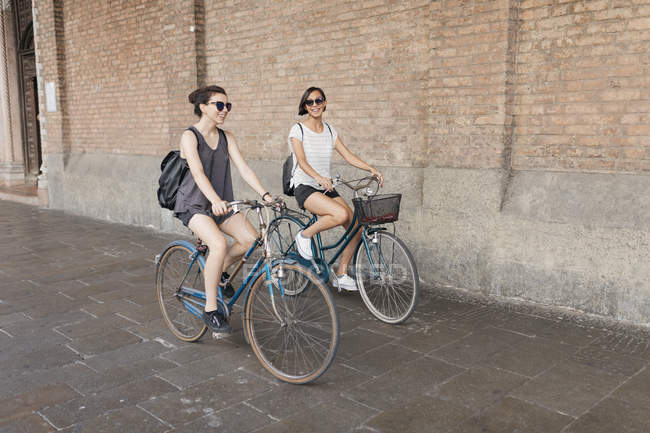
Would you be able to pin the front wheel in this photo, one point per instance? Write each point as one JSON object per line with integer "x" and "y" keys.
{"x": 282, "y": 232}
{"x": 281, "y": 239}
{"x": 294, "y": 333}
{"x": 387, "y": 277}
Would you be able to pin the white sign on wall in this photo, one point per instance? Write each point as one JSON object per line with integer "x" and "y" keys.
{"x": 50, "y": 96}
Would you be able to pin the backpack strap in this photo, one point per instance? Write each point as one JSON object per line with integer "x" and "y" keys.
{"x": 196, "y": 134}
{"x": 331, "y": 134}
{"x": 295, "y": 166}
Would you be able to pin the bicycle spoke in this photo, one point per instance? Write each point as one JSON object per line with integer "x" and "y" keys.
{"x": 306, "y": 328}
{"x": 387, "y": 278}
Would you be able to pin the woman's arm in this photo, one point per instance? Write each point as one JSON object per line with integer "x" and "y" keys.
{"x": 190, "y": 151}
{"x": 244, "y": 170}
{"x": 299, "y": 151}
{"x": 354, "y": 160}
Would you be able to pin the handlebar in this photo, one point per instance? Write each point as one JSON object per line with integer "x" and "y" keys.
{"x": 277, "y": 203}
{"x": 357, "y": 185}
{"x": 254, "y": 204}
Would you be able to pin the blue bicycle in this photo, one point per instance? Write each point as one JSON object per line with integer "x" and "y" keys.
{"x": 288, "y": 314}
{"x": 384, "y": 268}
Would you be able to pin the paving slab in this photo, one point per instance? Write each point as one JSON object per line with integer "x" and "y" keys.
{"x": 612, "y": 415}
{"x": 479, "y": 387}
{"x": 513, "y": 416}
{"x": 83, "y": 348}
{"x": 422, "y": 415}
{"x": 570, "y": 387}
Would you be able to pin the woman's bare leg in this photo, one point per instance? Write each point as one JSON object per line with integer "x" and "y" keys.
{"x": 205, "y": 228}
{"x": 330, "y": 213}
{"x": 244, "y": 234}
{"x": 348, "y": 252}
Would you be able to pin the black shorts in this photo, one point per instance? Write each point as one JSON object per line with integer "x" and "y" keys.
{"x": 186, "y": 216}
{"x": 303, "y": 191}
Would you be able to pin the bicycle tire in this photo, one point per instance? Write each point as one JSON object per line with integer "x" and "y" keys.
{"x": 282, "y": 232}
{"x": 170, "y": 270}
{"x": 387, "y": 277}
{"x": 284, "y": 347}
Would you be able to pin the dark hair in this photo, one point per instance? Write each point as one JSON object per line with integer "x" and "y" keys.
{"x": 202, "y": 95}
{"x": 301, "y": 107}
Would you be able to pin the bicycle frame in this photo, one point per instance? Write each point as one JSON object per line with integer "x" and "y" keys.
{"x": 262, "y": 265}
{"x": 343, "y": 241}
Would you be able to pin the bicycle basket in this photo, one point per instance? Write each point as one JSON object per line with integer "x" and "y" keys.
{"x": 378, "y": 209}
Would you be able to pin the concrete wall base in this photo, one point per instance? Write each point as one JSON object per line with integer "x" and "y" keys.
{"x": 580, "y": 241}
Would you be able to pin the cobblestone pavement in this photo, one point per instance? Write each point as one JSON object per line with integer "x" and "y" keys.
{"x": 84, "y": 349}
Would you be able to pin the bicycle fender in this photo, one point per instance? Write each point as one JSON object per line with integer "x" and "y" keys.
{"x": 247, "y": 290}
{"x": 189, "y": 246}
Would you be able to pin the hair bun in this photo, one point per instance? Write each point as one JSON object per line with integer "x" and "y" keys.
{"x": 192, "y": 96}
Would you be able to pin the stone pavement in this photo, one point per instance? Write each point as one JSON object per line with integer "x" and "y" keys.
{"x": 83, "y": 349}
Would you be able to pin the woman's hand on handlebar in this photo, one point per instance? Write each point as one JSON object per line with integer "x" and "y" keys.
{"x": 325, "y": 183}
{"x": 268, "y": 198}
{"x": 219, "y": 207}
{"x": 274, "y": 201}
{"x": 378, "y": 175}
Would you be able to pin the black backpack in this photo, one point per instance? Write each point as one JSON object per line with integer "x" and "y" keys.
{"x": 173, "y": 169}
{"x": 288, "y": 168}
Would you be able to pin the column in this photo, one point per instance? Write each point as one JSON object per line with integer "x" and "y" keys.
{"x": 11, "y": 164}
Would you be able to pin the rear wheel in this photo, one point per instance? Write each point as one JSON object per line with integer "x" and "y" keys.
{"x": 295, "y": 336}
{"x": 176, "y": 289}
{"x": 387, "y": 277}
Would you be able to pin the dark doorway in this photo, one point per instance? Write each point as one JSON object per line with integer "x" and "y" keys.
{"x": 32, "y": 156}
{"x": 31, "y": 128}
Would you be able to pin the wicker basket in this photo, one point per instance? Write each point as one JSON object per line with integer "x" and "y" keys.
{"x": 378, "y": 209}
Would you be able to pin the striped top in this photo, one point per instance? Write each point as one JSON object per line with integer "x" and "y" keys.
{"x": 318, "y": 152}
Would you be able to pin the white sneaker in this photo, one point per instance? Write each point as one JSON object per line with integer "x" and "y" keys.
{"x": 345, "y": 282}
{"x": 304, "y": 246}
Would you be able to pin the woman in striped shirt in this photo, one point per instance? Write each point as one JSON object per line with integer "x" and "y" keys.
{"x": 312, "y": 142}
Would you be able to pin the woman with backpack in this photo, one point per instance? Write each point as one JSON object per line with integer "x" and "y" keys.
{"x": 202, "y": 197}
{"x": 312, "y": 142}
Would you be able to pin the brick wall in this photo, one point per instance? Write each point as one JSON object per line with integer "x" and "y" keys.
{"x": 583, "y": 88}
{"x": 370, "y": 57}
{"x": 116, "y": 98}
{"x": 411, "y": 83}
{"x": 48, "y": 46}
{"x": 467, "y": 83}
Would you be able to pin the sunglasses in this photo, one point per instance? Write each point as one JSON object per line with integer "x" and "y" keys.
{"x": 220, "y": 105}
{"x": 310, "y": 102}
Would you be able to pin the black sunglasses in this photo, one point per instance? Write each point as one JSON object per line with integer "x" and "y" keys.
{"x": 220, "y": 105}
{"x": 310, "y": 102}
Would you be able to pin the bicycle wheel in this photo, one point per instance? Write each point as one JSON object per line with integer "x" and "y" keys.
{"x": 282, "y": 232}
{"x": 295, "y": 337}
{"x": 387, "y": 277}
{"x": 174, "y": 287}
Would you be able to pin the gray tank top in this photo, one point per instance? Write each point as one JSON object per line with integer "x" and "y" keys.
{"x": 216, "y": 166}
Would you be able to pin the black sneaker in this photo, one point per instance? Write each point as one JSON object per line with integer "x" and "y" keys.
{"x": 228, "y": 290}
{"x": 216, "y": 322}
